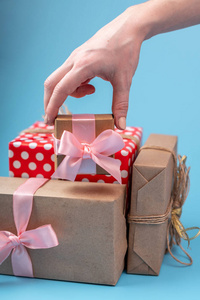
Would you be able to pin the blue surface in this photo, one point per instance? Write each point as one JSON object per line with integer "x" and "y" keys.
{"x": 36, "y": 37}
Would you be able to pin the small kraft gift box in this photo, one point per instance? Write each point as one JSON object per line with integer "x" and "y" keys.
{"x": 84, "y": 241}
{"x": 86, "y": 142}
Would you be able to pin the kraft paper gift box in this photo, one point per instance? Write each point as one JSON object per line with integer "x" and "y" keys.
{"x": 152, "y": 182}
{"x": 85, "y": 128}
{"x": 88, "y": 219}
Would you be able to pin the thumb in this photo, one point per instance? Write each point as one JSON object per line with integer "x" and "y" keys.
{"x": 120, "y": 106}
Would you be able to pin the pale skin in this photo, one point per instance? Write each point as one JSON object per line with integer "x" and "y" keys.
{"x": 113, "y": 54}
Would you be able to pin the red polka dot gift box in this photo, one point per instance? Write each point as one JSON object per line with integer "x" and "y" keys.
{"x": 31, "y": 154}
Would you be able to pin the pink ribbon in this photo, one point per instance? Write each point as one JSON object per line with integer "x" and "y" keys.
{"x": 106, "y": 144}
{"x": 39, "y": 238}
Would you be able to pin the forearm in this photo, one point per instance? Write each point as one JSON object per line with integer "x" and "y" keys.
{"x": 158, "y": 16}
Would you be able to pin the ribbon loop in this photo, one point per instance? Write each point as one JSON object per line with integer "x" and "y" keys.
{"x": 15, "y": 241}
{"x": 106, "y": 144}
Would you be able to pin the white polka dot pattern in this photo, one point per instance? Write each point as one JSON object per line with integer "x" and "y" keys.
{"x": 124, "y": 152}
{"x": 129, "y": 148}
{"x": 124, "y": 173}
{"x": 39, "y": 156}
{"x": 25, "y": 155}
{"x": 101, "y": 181}
{"x": 85, "y": 180}
{"x": 11, "y": 174}
{"x": 39, "y": 176}
{"x": 25, "y": 175}
{"x": 23, "y": 139}
{"x": 32, "y": 145}
{"x": 47, "y": 167}
{"x": 28, "y": 140}
{"x": 47, "y": 146}
{"x": 132, "y": 145}
{"x": 16, "y": 164}
{"x": 32, "y": 166}
{"x": 17, "y": 144}
{"x": 10, "y": 153}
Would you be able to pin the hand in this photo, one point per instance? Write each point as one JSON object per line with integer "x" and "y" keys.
{"x": 111, "y": 54}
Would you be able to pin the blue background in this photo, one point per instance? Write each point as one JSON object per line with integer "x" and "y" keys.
{"x": 36, "y": 37}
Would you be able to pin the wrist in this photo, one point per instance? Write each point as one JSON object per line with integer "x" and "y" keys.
{"x": 146, "y": 19}
{"x": 158, "y": 16}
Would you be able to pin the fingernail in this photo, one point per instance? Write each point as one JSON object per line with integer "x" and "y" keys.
{"x": 122, "y": 123}
{"x": 47, "y": 120}
{"x": 91, "y": 91}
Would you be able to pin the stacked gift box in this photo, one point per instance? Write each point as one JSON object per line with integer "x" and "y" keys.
{"x": 31, "y": 154}
{"x": 86, "y": 218}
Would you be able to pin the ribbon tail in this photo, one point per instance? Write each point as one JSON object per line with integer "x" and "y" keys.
{"x": 111, "y": 165}
{"x": 56, "y": 144}
{"x": 23, "y": 201}
{"x": 40, "y": 238}
{"x": 21, "y": 262}
{"x": 68, "y": 168}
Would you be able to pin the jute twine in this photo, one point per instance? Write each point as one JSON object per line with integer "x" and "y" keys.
{"x": 63, "y": 110}
{"x": 175, "y": 229}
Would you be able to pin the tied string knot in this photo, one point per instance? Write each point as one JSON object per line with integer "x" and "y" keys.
{"x": 15, "y": 240}
{"x": 87, "y": 151}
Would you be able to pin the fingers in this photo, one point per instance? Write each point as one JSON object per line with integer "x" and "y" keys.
{"x": 53, "y": 80}
{"x": 120, "y": 104}
{"x": 70, "y": 84}
{"x": 83, "y": 90}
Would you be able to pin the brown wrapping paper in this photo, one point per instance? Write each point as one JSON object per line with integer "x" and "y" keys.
{"x": 152, "y": 182}
{"x": 90, "y": 225}
{"x": 64, "y": 122}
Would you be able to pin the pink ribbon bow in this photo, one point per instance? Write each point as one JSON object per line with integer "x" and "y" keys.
{"x": 106, "y": 144}
{"x": 39, "y": 238}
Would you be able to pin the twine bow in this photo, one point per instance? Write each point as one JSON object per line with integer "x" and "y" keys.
{"x": 180, "y": 192}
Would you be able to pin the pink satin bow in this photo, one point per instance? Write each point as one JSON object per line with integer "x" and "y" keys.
{"x": 39, "y": 238}
{"x": 106, "y": 144}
